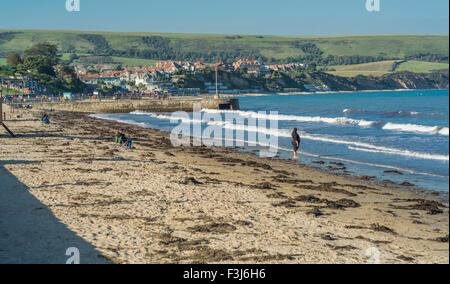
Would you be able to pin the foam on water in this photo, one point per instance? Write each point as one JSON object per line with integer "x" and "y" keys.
{"x": 441, "y": 130}
{"x": 399, "y": 113}
{"x": 126, "y": 121}
{"x": 287, "y": 134}
{"x": 369, "y": 132}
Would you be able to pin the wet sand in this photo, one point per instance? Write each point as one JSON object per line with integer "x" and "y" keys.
{"x": 160, "y": 204}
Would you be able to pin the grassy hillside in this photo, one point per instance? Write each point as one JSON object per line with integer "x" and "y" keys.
{"x": 381, "y": 68}
{"x": 421, "y": 67}
{"x": 367, "y": 69}
{"x": 210, "y": 47}
{"x": 2, "y": 61}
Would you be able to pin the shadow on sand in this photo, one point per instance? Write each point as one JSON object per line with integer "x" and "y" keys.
{"x": 30, "y": 233}
{"x": 48, "y": 134}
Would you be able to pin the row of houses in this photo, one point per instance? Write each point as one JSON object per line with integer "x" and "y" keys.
{"x": 255, "y": 67}
{"x": 169, "y": 67}
{"x": 151, "y": 78}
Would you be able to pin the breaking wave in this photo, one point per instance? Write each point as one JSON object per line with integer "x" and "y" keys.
{"x": 392, "y": 113}
{"x": 436, "y": 130}
{"x": 356, "y": 146}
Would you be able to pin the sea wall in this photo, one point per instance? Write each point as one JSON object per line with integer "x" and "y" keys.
{"x": 126, "y": 106}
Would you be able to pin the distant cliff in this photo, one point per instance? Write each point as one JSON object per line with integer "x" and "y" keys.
{"x": 283, "y": 81}
{"x": 393, "y": 81}
{"x": 404, "y": 80}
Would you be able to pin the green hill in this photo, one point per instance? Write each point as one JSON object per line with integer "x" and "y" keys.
{"x": 421, "y": 67}
{"x": 368, "y": 69}
{"x": 381, "y": 68}
{"x": 325, "y": 50}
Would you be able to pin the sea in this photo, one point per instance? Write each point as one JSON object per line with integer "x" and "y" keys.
{"x": 394, "y": 136}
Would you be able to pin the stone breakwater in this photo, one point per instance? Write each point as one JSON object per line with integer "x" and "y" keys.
{"x": 126, "y": 106}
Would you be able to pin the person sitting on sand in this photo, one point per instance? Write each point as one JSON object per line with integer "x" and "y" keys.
{"x": 122, "y": 139}
{"x": 129, "y": 142}
{"x": 45, "y": 119}
{"x": 295, "y": 142}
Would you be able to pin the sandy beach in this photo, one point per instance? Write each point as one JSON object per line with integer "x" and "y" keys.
{"x": 67, "y": 185}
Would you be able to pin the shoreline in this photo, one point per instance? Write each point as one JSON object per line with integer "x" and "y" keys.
{"x": 160, "y": 204}
{"x": 442, "y": 195}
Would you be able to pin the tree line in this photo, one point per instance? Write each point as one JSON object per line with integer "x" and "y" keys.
{"x": 42, "y": 62}
{"x": 159, "y": 48}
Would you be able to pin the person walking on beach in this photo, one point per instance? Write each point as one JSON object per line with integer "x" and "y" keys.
{"x": 295, "y": 142}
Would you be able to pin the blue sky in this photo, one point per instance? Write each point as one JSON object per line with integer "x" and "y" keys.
{"x": 280, "y": 17}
